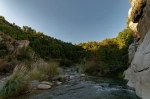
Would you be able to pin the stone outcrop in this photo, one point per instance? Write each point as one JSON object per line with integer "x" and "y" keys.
{"x": 12, "y": 47}
{"x": 138, "y": 74}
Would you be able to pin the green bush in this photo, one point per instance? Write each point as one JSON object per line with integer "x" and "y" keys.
{"x": 24, "y": 54}
{"x": 3, "y": 50}
{"x": 16, "y": 84}
{"x": 65, "y": 63}
{"x": 44, "y": 72}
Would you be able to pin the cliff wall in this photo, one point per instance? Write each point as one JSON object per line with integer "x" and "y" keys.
{"x": 138, "y": 74}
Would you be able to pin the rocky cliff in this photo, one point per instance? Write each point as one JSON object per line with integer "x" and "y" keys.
{"x": 10, "y": 55}
{"x": 138, "y": 74}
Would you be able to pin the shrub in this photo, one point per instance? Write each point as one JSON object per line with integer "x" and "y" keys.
{"x": 36, "y": 74}
{"x": 65, "y": 63}
{"x": 19, "y": 80}
{"x": 44, "y": 72}
{"x": 3, "y": 50}
{"x": 24, "y": 54}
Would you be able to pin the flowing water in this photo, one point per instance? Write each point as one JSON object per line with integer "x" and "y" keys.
{"x": 87, "y": 88}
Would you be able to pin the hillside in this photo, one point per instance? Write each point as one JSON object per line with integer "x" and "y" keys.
{"x": 47, "y": 47}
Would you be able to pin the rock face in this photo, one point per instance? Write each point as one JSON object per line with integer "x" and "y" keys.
{"x": 138, "y": 74}
{"x": 13, "y": 46}
{"x": 9, "y": 46}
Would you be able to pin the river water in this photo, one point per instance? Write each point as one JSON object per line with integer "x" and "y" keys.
{"x": 87, "y": 88}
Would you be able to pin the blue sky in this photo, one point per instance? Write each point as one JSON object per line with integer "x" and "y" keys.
{"x": 69, "y": 20}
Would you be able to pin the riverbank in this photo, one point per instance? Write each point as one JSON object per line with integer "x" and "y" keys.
{"x": 78, "y": 86}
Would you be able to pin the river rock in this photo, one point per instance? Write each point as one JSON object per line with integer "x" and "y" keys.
{"x": 82, "y": 75}
{"x": 58, "y": 83}
{"x": 71, "y": 77}
{"x": 34, "y": 84}
{"x": 47, "y": 83}
{"x": 43, "y": 86}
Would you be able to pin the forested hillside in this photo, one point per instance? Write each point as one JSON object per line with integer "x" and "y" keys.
{"x": 109, "y": 57}
{"x": 47, "y": 47}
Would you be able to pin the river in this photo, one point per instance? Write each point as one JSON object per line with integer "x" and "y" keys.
{"x": 86, "y": 88}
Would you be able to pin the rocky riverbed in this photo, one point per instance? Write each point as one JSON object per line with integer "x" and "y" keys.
{"x": 80, "y": 86}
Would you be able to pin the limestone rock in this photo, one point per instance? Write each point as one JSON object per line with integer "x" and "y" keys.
{"x": 43, "y": 87}
{"x": 47, "y": 83}
{"x": 144, "y": 23}
{"x": 137, "y": 10}
{"x": 131, "y": 52}
{"x": 33, "y": 84}
{"x": 138, "y": 74}
{"x": 22, "y": 43}
{"x": 133, "y": 27}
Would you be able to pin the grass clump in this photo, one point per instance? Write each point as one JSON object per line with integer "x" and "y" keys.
{"x": 45, "y": 72}
{"x": 18, "y": 82}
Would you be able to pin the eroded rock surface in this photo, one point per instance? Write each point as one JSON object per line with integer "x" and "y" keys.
{"x": 138, "y": 74}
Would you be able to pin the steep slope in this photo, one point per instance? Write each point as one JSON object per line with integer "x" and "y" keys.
{"x": 45, "y": 46}
{"x": 138, "y": 74}
{"x": 14, "y": 52}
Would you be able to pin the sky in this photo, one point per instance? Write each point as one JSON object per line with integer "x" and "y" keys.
{"x": 73, "y": 21}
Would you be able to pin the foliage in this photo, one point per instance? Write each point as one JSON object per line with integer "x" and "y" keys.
{"x": 109, "y": 57}
{"x": 24, "y": 54}
{"x": 16, "y": 84}
{"x": 65, "y": 63}
{"x": 3, "y": 49}
{"x": 45, "y": 72}
{"x": 47, "y": 47}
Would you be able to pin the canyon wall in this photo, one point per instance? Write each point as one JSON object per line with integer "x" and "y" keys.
{"x": 138, "y": 74}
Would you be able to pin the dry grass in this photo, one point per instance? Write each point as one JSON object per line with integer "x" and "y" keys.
{"x": 19, "y": 80}
{"x": 16, "y": 84}
{"x": 44, "y": 72}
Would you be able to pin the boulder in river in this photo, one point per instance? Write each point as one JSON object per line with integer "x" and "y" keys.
{"x": 47, "y": 83}
{"x": 43, "y": 86}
